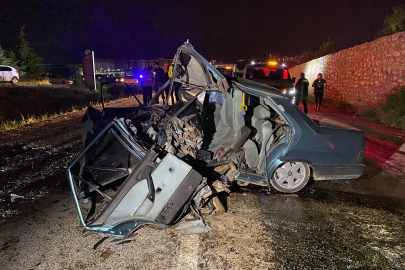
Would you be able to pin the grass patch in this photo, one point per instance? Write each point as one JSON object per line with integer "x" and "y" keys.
{"x": 32, "y": 119}
{"x": 29, "y": 104}
{"x": 34, "y": 82}
{"x": 392, "y": 112}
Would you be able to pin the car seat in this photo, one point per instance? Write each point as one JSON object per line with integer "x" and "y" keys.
{"x": 231, "y": 120}
{"x": 264, "y": 135}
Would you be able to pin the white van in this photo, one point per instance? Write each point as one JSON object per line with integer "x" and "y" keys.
{"x": 9, "y": 74}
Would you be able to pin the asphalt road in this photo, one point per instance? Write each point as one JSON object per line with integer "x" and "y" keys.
{"x": 342, "y": 224}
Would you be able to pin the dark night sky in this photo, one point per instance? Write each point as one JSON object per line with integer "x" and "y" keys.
{"x": 61, "y": 30}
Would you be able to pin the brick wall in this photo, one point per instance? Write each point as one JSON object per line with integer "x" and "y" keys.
{"x": 362, "y": 76}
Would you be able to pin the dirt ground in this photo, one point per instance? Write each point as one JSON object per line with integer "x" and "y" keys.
{"x": 328, "y": 225}
{"x": 42, "y": 230}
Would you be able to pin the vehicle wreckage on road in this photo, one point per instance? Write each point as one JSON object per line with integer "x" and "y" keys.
{"x": 149, "y": 164}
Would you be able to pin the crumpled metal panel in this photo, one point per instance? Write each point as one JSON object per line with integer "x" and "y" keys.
{"x": 182, "y": 137}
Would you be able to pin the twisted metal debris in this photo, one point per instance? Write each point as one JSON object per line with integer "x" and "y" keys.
{"x": 182, "y": 137}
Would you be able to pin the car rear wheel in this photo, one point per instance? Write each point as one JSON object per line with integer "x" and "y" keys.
{"x": 290, "y": 177}
{"x": 14, "y": 81}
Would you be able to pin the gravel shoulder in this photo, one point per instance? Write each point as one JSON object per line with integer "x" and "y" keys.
{"x": 33, "y": 156}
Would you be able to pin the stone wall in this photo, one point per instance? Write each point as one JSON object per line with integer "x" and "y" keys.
{"x": 362, "y": 76}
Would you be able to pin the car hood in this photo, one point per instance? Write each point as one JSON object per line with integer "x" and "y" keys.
{"x": 192, "y": 69}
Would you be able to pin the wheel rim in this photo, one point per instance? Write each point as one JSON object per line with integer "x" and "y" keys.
{"x": 290, "y": 175}
{"x": 15, "y": 81}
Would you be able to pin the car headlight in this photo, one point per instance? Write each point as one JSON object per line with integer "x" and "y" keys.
{"x": 292, "y": 91}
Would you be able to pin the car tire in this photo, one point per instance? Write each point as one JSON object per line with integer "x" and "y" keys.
{"x": 290, "y": 177}
{"x": 14, "y": 81}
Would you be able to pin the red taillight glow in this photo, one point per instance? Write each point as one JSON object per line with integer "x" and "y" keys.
{"x": 285, "y": 74}
{"x": 16, "y": 71}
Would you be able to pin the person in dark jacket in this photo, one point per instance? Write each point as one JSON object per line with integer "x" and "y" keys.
{"x": 302, "y": 91}
{"x": 159, "y": 74}
{"x": 319, "y": 86}
{"x": 147, "y": 83}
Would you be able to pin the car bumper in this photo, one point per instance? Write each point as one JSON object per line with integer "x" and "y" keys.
{"x": 332, "y": 172}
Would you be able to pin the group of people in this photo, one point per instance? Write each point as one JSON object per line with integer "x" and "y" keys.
{"x": 153, "y": 79}
{"x": 302, "y": 86}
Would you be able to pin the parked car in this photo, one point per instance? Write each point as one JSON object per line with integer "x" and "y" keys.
{"x": 131, "y": 79}
{"x": 57, "y": 79}
{"x": 273, "y": 74}
{"x": 148, "y": 164}
{"x": 9, "y": 74}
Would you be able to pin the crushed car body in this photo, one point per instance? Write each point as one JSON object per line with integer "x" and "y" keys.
{"x": 149, "y": 164}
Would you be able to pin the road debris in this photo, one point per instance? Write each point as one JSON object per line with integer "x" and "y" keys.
{"x": 104, "y": 256}
{"x": 219, "y": 208}
{"x": 290, "y": 195}
{"x": 13, "y": 197}
{"x": 124, "y": 242}
{"x": 182, "y": 137}
{"x": 96, "y": 245}
{"x": 192, "y": 227}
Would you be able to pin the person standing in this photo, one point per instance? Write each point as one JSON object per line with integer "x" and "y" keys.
{"x": 176, "y": 86}
{"x": 147, "y": 83}
{"x": 159, "y": 74}
{"x": 166, "y": 78}
{"x": 302, "y": 91}
{"x": 319, "y": 85}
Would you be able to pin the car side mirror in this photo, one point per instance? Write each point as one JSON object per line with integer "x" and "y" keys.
{"x": 293, "y": 79}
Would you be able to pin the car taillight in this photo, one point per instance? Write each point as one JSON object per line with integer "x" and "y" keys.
{"x": 16, "y": 71}
{"x": 285, "y": 74}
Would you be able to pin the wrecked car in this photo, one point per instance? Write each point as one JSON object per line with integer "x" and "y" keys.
{"x": 151, "y": 163}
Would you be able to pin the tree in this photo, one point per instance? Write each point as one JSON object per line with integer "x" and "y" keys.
{"x": 28, "y": 62}
{"x": 326, "y": 48}
{"x": 306, "y": 56}
{"x": 4, "y": 59}
{"x": 395, "y": 22}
